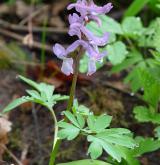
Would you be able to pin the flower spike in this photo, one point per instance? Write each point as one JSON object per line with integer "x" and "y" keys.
{"x": 87, "y": 11}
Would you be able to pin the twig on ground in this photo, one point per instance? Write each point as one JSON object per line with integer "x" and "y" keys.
{"x": 24, "y": 152}
{"x": 11, "y": 154}
{"x": 23, "y": 28}
{"x": 20, "y": 38}
{"x": 33, "y": 14}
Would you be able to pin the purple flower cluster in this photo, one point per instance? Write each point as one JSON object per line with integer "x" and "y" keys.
{"x": 88, "y": 11}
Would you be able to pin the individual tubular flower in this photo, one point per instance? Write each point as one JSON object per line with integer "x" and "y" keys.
{"x": 91, "y": 67}
{"x": 89, "y": 8}
{"x": 75, "y": 22}
{"x": 62, "y": 53}
{"x": 67, "y": 65}
{"x": 89, "y": 11}
{"x": 77, "y": 28}
{"x": 99, "y": 41}
{"x": 94, "y": 56}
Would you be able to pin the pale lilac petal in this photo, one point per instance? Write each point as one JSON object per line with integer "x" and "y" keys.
{"x": 91, "y": 66}
{"x": 72, "y": 18}
{"x": 93, "y": 52}
{"x": 96, "y": 19}
{"x": 107, "y": 8}
{"x": 75, "y": 30}
{"x": 67, "y": 66}
{"x": 76, "y": 44}
{"x": 94, "y": 9}
{"x": 59, "y": 51}
{"x": 75, "y": 23}
{"x": 91, "y": 8}
{"x": 75, "y": 18}
{"x": 79, "y": 7}
{"x": 99, "y": 41}
{"x": 73, "y": 46}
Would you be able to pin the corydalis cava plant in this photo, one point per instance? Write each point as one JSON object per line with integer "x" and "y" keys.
{"x": 87, "y": 11}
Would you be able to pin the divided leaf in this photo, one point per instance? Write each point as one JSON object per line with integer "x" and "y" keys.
{"x": 29, "y": 82}
{"x": 101, "y": 137}
{"x": 151, "y": 85}
{"x": 71, "y": 130}
{"x": 117, "y": 52}
{"x": 134, "y": 78}
{"x": 143, "y": 114}
{"x": 109, "y": 148}
{"x": 81, "y": 120}
{"x": 118, "y": 139}
{"x": 98, "y": 124}
{"x": 146, "y": 145}
{"x": 108, "y": 25}
{"x": 42, "y": 94}
{"x": 71, "y": 118}
{"x": 83, "y": 110}
{"x": 129, "y": 29}
{"x": 111, "y": 25}
{"x": 102, "y": 122}
{"x": 15, "y": 103}
{"x": 95, "y": 150}
{"x": 68, "y": 131}
{"x": 110, "y": 140}
{"x": 34, "y": 94}
{"x": 132, "y": 58}
{"x": 157, "y": 131}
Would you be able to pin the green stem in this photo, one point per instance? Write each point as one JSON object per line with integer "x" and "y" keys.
{"x": 53, "y": 153}
{"x": 74, "y": 81}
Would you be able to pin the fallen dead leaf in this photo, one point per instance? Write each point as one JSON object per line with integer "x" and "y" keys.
{"x": 54, "y": 81}
{"x": 4, "y": 8}
{"x": 5, "y": 127}
{"x": 28, "y": 40}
